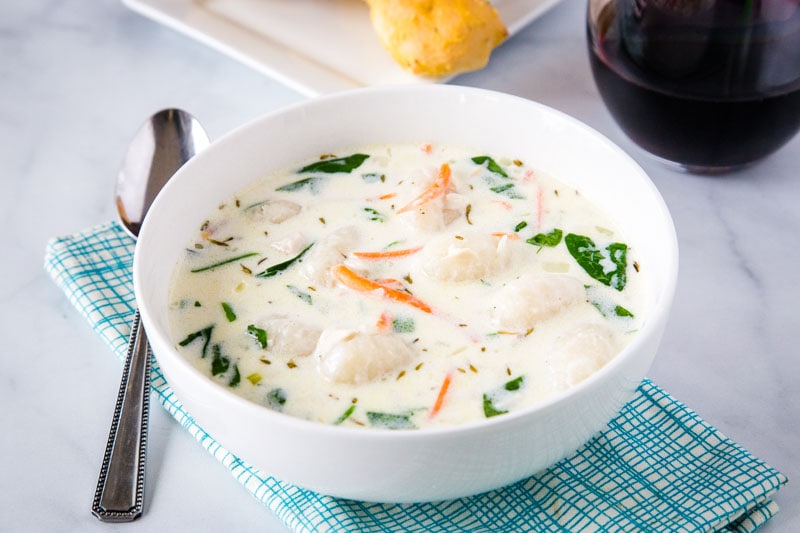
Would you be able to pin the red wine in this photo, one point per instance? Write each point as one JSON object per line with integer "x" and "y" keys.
{"x": 709, "y": 85}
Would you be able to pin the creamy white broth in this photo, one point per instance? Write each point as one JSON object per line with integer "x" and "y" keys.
{"x": 375, "y": 291}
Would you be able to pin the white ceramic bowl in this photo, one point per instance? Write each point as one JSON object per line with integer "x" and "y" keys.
{"x": 414, "y": 465}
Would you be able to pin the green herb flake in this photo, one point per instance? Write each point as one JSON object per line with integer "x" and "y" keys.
{"x": 204, "y": 333}
{"x": 621, "y": 311}
{"x": 373, "y": 177}
{"x": 403, "y": 325}
{"x": 259, "y": 334}
{"x": 546, "y": 239}
{"x": 223, "y": 262}
{"x": 276, "y": 398}
{"x": 280, "y": 267}
{"x": 491, "y": 165}
{"x": 254, "y": 378}
{"x": 390, "y": 420}
{"x": 608, "y": 268}
{"x": 333, "y": 166}
{"x": 344, "y": 416}
{"x": 300, "y": 294}
{"x": 522, "y": 225}
{"x": 312, "y": 184}
{"x": 374, "y": 215}
{"x": 229, "y": 313}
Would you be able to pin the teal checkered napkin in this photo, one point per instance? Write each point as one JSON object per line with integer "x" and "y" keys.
{"x": 656, "y": 467}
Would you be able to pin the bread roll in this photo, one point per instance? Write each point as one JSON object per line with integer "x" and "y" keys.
{"x": 436, "y": 38}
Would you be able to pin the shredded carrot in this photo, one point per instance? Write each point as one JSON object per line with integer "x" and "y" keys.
{"x": 387, "y": 254}
{"x": 384, "y": 322}
{"x": 512, "y": 236}
{"x": 437, "y": 189}
{"x": 392, "y": 283}
{"x": 504, "y": 204}
{"x": 387, "y": 196}
{"x": 442, "y": 393}
{"x": 351, "y": 280}
{"x": 427, "y": 148}
{"x": 539, "y": 202}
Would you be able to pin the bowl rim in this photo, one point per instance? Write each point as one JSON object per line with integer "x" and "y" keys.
{"x": 659, "y": 313}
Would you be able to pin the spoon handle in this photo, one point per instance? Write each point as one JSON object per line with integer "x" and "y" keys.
{"x": 120, "y": 488}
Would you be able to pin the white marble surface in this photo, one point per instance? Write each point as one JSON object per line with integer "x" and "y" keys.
{"x": 77, "y": 79}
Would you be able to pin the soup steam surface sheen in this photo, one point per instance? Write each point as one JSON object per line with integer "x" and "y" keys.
{"x": 405, "y": 286}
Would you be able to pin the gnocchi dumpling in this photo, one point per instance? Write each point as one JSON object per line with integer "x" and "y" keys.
{"x": 328, "y": 252}
{"x": 347, "y": 356}
{"x": 580, "y": 353}
{"x": 291, "y": 244}
{"x": 273, "y": 211}
{"x": 533, "y": 298}
{"x": 463, "y": 256}
{"x": 288, "y": 337}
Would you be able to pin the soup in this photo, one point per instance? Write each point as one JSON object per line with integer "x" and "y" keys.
{"x": 405, "y": 286}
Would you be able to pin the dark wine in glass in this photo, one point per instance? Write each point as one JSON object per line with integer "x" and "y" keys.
{"x": 710, "y": 85}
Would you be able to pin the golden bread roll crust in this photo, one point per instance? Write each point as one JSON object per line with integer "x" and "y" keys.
{"x": 438, "y": 37}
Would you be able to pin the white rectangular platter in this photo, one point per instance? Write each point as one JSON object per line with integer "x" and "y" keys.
{"x": 314, "y": 46}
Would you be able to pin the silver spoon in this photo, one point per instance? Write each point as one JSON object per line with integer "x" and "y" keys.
{"x": 165, "y": 142}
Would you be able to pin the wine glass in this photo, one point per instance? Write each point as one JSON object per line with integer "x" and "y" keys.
{"x": 707, "y": 85}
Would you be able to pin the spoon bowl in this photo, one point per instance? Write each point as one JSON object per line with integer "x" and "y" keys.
{"x": 161, "y": 146}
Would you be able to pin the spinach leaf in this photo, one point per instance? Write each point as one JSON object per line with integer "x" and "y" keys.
{"x": 489, "y": 410}
{"x": 224, "y": 262}
{"x": 546, "y": 239}
{"x": 204, "y": 333}
{"x": 300, "y": 294}
{"x": 220, "y": 363}
{"x": 502, "y": 186}
{"x": 497, "y": 180}
{"x": 276, "y": 398}
{"x": 280, "y": 267}
{"x": 607, "y": 307}
{"x": 260, "y": 335}
{"x": 505, "y": 187}
{"x": 390, "y": 420}
{"x": 492, "y": 165}
{"x": 229, "y": 313}
{"x": 608, "y": 268}
{"x": 491, "y": 399}
{"x": 236, "y": 377}
{"x": 515, "y": 384}
{"x": 403, "y": 324}
{"x": 312, "y": 184}
{"x": 332, "y": 166}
